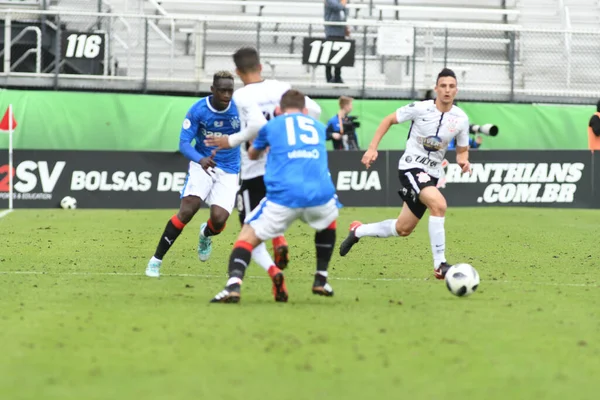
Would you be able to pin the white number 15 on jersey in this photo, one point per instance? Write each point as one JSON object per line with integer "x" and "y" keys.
{"x": 308, "y": 133}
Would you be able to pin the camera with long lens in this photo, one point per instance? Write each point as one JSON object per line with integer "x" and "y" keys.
{"x": 486, "y": 129}
{"x": 350, "y": 124}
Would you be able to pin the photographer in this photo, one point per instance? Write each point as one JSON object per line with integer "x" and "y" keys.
{"x": 341, "y": 128}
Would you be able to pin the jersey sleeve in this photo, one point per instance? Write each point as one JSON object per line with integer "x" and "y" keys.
{"x": 462, "y": 139}
{"x": 188, "y": 133}
{"x": 252, "y": 119}
{"x": 314, "y": 110}
{"x": 407, "y": 113}
{"x": 261, "y": 143}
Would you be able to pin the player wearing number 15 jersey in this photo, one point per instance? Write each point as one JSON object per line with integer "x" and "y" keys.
{"x": 299, "y": 186}
{"x": 256, "y": 102}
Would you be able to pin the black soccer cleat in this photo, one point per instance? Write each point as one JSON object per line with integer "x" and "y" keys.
{"x": 321, "y": 287}
{"x": 231, "y": 294}
{"x": 350, "y": 240}
{"x": 441, "y": 271}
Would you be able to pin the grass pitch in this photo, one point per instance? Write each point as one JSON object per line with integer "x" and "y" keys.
{"x": 79, "y": 320}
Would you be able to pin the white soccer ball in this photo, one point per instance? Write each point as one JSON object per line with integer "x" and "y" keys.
{"x": 68, "y": 203}
{"x": 462, "y": 280}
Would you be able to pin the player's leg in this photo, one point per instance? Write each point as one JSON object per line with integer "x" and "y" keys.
{"x": 252, "y": 191}
{"x": 412, "y": 212}
{"x": 436, "y": 203}
{"x": 195, "y": 188}
{"x": 323, "y": 220}
{"x": 221, "y": 199}
{"x": 265, "y": 222}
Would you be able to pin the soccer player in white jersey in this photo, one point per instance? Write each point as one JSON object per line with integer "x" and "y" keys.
{"x": 434, "y": 123}
{"x": 264, "y": 95}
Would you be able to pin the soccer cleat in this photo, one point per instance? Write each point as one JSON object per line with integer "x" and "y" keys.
{"x": 350, "y": 240}
{"x": 153, "y": 268}
{"x": 440, "y": 272}
{"x": 321, "y": 287}
{"x": 204, "y": 245}
{"x": 282, "y": 257}
{"x": 279, "y": 289}
{"x": 231, "y": 294}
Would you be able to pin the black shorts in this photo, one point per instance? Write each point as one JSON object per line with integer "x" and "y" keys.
{"x": 251, "y": 192}
{"x": 413, "y": 181}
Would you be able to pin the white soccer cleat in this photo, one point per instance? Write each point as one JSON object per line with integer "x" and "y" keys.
{"x": 153, "y": 268}
{"x": 204, "y": 245}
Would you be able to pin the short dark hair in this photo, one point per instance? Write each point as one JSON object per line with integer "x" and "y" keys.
{"x": 292, "y": 99}
{"x": 246, "y": 59}
{"x": 598, "y": 106}
{"x": 446, "y": 72}
{"x": 222, "y": 75}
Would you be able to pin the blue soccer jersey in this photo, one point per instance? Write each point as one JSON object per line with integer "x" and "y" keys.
{"x": 202, "y": 121}
{"x": 297, "y": 174}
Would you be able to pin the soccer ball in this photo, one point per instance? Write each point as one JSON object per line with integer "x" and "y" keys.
{"x": 462, "y": 280}
{"x": 68, "y": 203}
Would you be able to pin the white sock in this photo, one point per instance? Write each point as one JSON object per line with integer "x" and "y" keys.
{"x": 323, "y": 273}
{"x": 437, "y": 236}
{"x": 381, "y": 229}
{"x": 156, "y": 260}
{"x": 233, "y": 281}
{"x": 261, "y": 256}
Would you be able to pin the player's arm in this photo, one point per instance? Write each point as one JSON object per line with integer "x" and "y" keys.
{"x": 259, "y": 145}
{"x": 462, "y": 148}
{"x": 595, "y": 125}
{"x": 186, "y": 137}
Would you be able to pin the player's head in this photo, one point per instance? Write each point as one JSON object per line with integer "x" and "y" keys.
{"x": 598, "y": 106}
{"x": 346, "y": 104}
{"x": 446, "y": 86}
{"x": 247, "y": 62}
{"x": 222, "y": 89}
{"x": 293, "y": 101}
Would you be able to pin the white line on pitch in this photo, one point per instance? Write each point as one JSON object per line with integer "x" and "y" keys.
{"x": 5, "y": 213}
{"x": 208, "y": 276}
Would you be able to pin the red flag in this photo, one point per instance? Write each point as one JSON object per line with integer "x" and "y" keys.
{"x": 4, "y": 124}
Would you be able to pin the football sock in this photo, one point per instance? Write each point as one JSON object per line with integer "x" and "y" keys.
{"x": 239, "y": 260}
{"x": 261, "y": 256}
{"x": 437, "y": 236}
{"x": 324, "y": 243}
{"x": 171, "y": 232}
{"x": 381, "y": 229}
{"x": 210, "y": 230}
{"x": 279, "y": 241}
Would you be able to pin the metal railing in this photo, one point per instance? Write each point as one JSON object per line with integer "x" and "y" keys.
{"x": 179, "y": 53}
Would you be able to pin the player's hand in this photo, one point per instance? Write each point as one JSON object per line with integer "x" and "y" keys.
{"x": 208, "y": 162}
{"x": 221, "y": 142}
{"x": 369, "y": 158}
{"x": 466, "y": 167}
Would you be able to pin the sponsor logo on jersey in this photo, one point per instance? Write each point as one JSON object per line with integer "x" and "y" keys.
{"x": 313, "y": 154}
{"x": 432, "y": 143}
{"x": 522, "y": 182}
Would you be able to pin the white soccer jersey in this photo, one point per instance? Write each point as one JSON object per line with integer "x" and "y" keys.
{"x": 430, "y": 133}
{"x": 266, "y": 96}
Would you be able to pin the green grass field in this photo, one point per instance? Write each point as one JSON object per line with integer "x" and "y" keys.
{"x": 79, "y": 320}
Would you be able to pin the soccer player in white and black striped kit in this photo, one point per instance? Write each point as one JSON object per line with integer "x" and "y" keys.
{"x": 434, "y": 124}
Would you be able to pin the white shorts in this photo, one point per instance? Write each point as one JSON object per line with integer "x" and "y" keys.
{"x": 270, "y": 220}
{"x": 216, "y": 188}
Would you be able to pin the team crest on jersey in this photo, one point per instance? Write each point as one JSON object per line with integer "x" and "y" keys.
{"x": 422, "y": 177}
{"x": 235, "y": 122}
{"x": 452, "y": 125}
{"x": 433, "y": 143}
{"x": 218, "y": 124}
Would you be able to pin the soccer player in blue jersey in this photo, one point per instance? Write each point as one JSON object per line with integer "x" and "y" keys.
{"x": 299, "y": 186}
{"x": 212, "y": 177}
